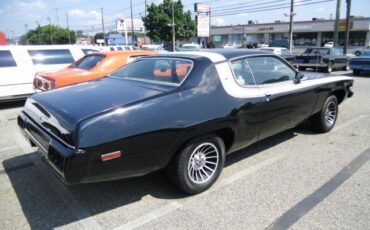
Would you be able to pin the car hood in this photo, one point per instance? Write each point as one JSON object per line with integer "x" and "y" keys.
{"x": 59, "y": 111}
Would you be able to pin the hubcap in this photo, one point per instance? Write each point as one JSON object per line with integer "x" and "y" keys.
{"x": 331, "y": 113}
{"x": 203, "y": 163}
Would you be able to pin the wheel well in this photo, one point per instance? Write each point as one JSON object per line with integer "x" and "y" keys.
{"x": 339, "y": 94}
{"x": 226, "y": 134}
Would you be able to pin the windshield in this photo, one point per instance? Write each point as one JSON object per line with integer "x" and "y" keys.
{"x": 166, "y": 71}
{"x": 88, "y": 62}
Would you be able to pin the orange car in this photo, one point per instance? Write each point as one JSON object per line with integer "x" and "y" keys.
{"x": 90, "y": 67}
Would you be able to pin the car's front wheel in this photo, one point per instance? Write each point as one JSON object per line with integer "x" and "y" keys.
{"x": 198, "y": 165}
{"x": 329, "y": 68}
{"x": 325, "y": 120}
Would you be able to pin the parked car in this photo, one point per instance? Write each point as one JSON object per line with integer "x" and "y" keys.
{"x": 329, "y": 44}
{"x": 90, "y": 67}
{"x": 360, "y": 64}
{"x": 232, "y": 46}
{"x": 326, "y": 59}
{"x": 280, "y": 43}
{"x": 190, "y": 47}
{"x": 283, "y": 52}
{"x": 358, "y": 52}
{"x": 18, "y": 65}
{"x": 134, "y": 122}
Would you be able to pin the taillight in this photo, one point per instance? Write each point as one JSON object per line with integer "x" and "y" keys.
{"x": 111, "y": 156}
{"x": 42, "y": 83}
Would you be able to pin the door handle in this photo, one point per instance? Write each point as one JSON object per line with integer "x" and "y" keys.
{"x": 268, "y": 95}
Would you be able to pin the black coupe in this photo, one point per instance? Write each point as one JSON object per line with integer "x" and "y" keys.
{"x": 182, "y": 111}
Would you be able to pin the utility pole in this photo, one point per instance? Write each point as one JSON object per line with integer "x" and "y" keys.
{"x": 291, "y": 25}
{"x": 102, "y": 22}
{"x": 132, "y": 25}
{"x": 26, "y": 31}
{"x": 69, "y": 32}
{"x": 348, "y": 17}
{"x": 51, "y": 30}
{"x": 56, "y": 16}
{"x": 336, "y": 24}
{"x": 173, "y": 27}
{"x": 144, "y": 27}
{"x": 38, "y": 31}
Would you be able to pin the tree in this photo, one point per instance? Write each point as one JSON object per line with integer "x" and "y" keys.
{"x": 159, "y": 19}
{"x": 43, "y": 34}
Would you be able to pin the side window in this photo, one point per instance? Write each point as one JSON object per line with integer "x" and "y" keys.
{"x": 6, "y": 59}
{"x": 242, "y": 72}
{"x": 50, "y": 57}
{"x": 88, "y": 62}
{"x": 89, "y": 51}
{"x": 267, "y": 70}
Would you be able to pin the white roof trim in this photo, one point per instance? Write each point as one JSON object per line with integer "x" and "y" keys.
{"x": 214, "y": 57}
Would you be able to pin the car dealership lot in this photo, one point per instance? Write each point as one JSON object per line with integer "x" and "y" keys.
{"x": 296, "y": 179}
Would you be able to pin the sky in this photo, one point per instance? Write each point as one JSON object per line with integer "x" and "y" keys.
{"x": 86, "y": 14}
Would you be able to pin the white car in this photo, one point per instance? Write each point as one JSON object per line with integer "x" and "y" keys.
{"x": 19, "y": 64}
{"x": 329, "y": 44}
{"x": 232, "y": 46}
{"x": 190, "y": 47}
{"x": 261, "y": 45}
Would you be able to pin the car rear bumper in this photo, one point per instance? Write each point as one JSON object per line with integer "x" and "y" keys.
{"x": 74, "y": 166}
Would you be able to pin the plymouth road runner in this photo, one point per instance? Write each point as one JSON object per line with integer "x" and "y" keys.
{"x": 208, "y": 104}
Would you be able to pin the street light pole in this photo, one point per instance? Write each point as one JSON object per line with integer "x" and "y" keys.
{"x": 132, "y": 24}
{"x": 51, "y": 30}
{"x": 102, "y": 22}
{"x": 38, "y": 31}
{"x": 336, "y": 24}
{"x": 26, "y": 31}
{"x": 291, "y": 25}
{"x": 173, "y": 27}
{"x": 69, "y": 32}
{"x": 348, "y": 17}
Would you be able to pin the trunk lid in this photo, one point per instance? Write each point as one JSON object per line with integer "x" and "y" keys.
{"x": 59, "y": 111}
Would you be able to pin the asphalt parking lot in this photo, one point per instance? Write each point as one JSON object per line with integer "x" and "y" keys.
{"x": 297, "y": 179}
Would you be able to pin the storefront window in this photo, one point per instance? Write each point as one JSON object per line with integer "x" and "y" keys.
{"x": 356, "y": 38}
{"x": 305, "y": 39}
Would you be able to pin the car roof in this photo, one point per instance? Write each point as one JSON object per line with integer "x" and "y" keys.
{"x": 127, "y": 52}
{"x": 215, "y": 55}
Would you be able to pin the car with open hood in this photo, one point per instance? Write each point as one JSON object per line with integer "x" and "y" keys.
{"x": 206, "y": 105}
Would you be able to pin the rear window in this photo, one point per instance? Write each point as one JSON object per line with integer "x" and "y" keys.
{"x": 88, "y": 62}
{"x": 157, "y": 70}
{"x": 6, "y": 59}
{"x": 51, "y": 57}
{"x": 89, "y": 51}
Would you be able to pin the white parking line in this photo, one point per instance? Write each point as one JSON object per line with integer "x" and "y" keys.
{"x": 76, "y": 208}
{"x": 158, "y": 213}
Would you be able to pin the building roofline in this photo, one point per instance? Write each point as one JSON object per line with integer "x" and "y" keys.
{"x": 282, "y": 23}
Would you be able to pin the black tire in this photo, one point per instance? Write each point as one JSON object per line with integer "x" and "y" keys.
{"x": 301, "y": 68}
{"x": 356, "y": 72}
{"x": 324, "y": 121}
{"x": 329, "y": 68}
{"x": 346, "y": 67}
{"x": 180, "y": 168}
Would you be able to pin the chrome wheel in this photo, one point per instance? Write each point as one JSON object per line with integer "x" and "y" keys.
{"x": 203, "y": 163}
{"x": 331, "y": 113}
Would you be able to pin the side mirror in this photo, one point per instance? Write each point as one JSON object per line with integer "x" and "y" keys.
{"x": 298, "y": 77}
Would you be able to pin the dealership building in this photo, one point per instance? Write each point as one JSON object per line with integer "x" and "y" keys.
{"x": 305, "y": 33}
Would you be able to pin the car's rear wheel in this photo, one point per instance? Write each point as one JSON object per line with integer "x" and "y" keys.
{"x": 325, "y": 120}
{"x": 346, "y": 67}
{"x": 198, "y": 165}
{"x": 356, "y": 72}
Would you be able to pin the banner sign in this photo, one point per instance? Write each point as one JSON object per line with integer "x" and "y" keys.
{"x": 203, "y": 19}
